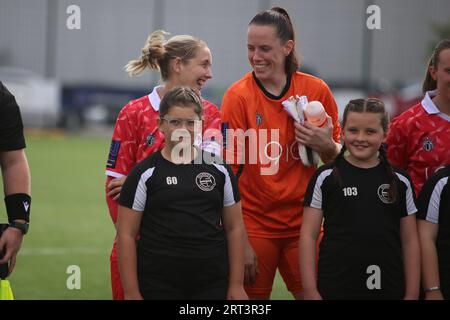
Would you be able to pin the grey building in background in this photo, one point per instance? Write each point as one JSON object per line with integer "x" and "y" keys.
{"x": 332, "y": 36}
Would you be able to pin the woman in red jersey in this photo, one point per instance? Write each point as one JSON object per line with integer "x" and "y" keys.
{"x": 419, "y": 138}
{"x": 273, "y": 191}
{"x": 181, "y": 60}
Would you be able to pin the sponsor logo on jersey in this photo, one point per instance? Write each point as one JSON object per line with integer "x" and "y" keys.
{"x": 113, "y": 153}
{"x": 383, "y": 193}
{"x": 427, "y": 144}
{"x": 150, "y": 140}
{"x": 205, "y": 181}
{"x": 258, "y": 119}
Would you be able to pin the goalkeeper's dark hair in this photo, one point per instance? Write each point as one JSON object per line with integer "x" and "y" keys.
{"x": 279, "y": 18}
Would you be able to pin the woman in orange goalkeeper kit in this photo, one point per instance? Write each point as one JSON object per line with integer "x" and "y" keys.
{"x": 272, "y": 191}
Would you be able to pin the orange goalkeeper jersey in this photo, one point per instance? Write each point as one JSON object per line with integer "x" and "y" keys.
{"x": 272, "y": 179}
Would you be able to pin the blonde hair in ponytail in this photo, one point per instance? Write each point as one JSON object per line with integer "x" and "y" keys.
{"x": 150, "y": 54}
{"x": 157, "y": 53}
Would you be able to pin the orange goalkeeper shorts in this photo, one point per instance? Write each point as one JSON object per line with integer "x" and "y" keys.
{"x": 273, "y": 254}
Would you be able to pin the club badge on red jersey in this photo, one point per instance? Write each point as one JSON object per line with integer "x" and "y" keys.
{"x": 150, "y": 140}
{"x": 427, "y": 144}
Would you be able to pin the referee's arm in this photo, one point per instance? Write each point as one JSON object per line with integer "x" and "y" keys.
{"x": 16, "y": 180}
{"x": 16, "y": 173}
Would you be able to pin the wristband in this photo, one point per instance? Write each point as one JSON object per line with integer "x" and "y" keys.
{"x": 18, "y": 206}
{"x": 436, "y": 288}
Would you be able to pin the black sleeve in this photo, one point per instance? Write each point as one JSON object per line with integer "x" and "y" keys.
{"x": 134, "y": 191}
{"x": 408, "y": 201}
{"x": 313, "y": 196}
{"x": 431, "y": 194}
{"x": 11, "y": 127}
{"x": 231, "y": 191}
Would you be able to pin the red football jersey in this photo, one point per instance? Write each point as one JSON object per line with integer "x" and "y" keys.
{"x": 136, "y": 136}
{"x": 419, "y": 141}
